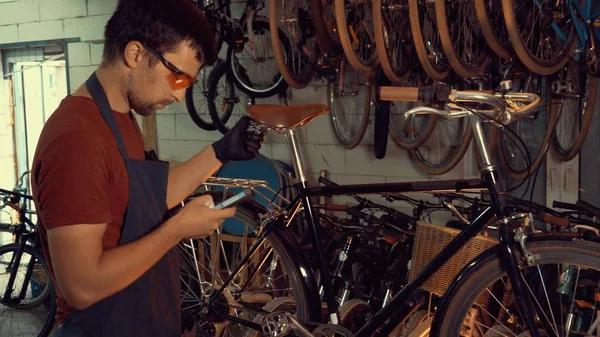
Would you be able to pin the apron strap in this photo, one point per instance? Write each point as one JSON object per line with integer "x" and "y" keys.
{"x": 99, "y": 96}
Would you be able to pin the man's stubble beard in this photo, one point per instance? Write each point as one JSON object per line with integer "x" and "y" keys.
{"x": 135, "y": 101}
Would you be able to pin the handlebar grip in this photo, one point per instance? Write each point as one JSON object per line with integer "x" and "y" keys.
{"x": 438, "y": 92}
{"x": 407, "y": 94}
{"x": 591, "y": 209}
{"x": 555, "y": 220}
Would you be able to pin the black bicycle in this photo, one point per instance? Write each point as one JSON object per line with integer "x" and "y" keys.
{"x": 27, "y": 297}
{"x": 525, "y": 282}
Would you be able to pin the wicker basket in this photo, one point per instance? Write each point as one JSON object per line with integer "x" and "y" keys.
{"x": 430, "y": 239}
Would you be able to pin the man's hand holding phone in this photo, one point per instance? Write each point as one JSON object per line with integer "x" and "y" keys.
{"x": 198, "y": 219}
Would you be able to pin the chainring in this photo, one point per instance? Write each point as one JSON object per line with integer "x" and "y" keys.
{"x": 331, "y": 330}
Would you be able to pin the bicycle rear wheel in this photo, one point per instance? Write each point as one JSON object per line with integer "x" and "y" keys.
{"x": 195, "y": 100}
{"x": 563, "y": 279}
{"x": 270, "y": 275}
{"x": 33, "y": 313}
{"x": 253, "y": 67}
{"x": 575, "y": 92}
{"x": 392, "y": 38}
{"x": 461, "y": 37}
{"x": 297, "y": 55}
{"x": 530, "y": 26}
{"x": 226, "y": 102}
{"x": 355, "y": 26}
{"x": 426, "y": 37}
{"x": 350, "y": 103}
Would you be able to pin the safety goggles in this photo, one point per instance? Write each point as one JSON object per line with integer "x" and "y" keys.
{"x": 177, "y": 79}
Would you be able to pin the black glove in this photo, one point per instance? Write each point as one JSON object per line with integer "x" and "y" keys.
{"x": 239, "y": 143}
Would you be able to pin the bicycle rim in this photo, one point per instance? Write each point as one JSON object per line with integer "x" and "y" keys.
{"x": 269, "y": 276}
{"x": 564, "y": 274}
{"x": 295, "y": 60}
{"x": 350, "y": 104}
{"x": 392, "y": 36}
{"x": 426, "y": 38}
{"x": 355, "y": 26}
{"x": 36, "y": 312}
{"x": 573, "y": 117}
{"x": 527, "y": 26}
{"x": 262, "y": 77}
{"x": 461, "y": 37}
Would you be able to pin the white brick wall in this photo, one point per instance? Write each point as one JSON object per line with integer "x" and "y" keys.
{"x": 20, "y": 11}
{"x": 44, "y": 30}
{"x": 79, "y": 54}
{"x": 62, "y": 9}
{"x": 98, "y": 7}
{"x": 9, "y": 34}
{"x": 87, "y": 28}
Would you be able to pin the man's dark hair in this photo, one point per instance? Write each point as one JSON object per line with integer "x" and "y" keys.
{"x": 160, "y": 24}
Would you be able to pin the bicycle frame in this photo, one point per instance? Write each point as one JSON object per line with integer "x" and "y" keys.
{"x": 399, "y": 306}
{"x": 583, "y": 21}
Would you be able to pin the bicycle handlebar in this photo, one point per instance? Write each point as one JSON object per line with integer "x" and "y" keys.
{"x": 506, "y": 107}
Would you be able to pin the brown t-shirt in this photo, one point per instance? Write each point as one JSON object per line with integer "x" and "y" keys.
{"x": 79, "y": 176}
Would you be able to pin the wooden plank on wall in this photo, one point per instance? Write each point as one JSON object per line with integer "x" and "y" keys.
{"x": 149, "y": 133}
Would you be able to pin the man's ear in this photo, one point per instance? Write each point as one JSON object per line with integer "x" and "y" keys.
{"x": 134, "y": 54}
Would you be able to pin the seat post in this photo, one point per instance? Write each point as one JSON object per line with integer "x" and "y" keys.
{"x": 296, "y": 156}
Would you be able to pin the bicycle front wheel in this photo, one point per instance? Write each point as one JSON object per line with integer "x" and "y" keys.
{"x": 563, "y": 282}
{"x": 31, "y": 306}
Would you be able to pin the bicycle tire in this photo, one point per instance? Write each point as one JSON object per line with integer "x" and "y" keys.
{"x": 326, "y": 42}
{"x": 380, "y": 25}
{"x": 295, "y": 80}
{"x": 354, "y": 139}
{"x": 452, "y": 161}
{"x": 34, "y": 252}
{"x": 440, "y": 72}
{"x": 461, "y": 65}
{"x": 353, "y": 58}
{"x": 462, "y": 293}
{"x": 193, "y": 111}
{"x": 228, "y": 105}
{"x": 567, "y": 154}
{"x": 538, "y": 66}
{"x": 246, "y": 87}
{"x": 537, "y": 155}
{"x": 250, "y": 211}
{"x": 501, "y": 48}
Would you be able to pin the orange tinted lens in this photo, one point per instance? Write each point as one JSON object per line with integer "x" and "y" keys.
{"x": 179, "y": 82}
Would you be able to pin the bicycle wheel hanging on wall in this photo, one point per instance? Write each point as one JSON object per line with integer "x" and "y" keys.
{"x": 427, "y": 41}
{"x": 461, "y": 38}
{"x": 392, "y": 38}
{"x": 493, "y": 27}
{"x": 531, "y": 26}
{"x": 355, "y": 25}
{"x": 256, "y": 57}
{"x": 575, "y": 91}
{"x": 350, "y": 103}
{"x": 196, "y": 100}
{"x": 296, "y": 59}
{"x": 226, "y": 103}
{"x": 328, "y": 37}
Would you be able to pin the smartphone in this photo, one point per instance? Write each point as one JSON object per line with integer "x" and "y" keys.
{"x": 235, "y": 199}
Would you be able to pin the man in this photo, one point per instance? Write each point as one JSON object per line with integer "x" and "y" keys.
{"x": 102, "y": 203}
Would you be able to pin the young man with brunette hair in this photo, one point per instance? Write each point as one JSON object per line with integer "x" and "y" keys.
{"x": 102, "y": 201}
